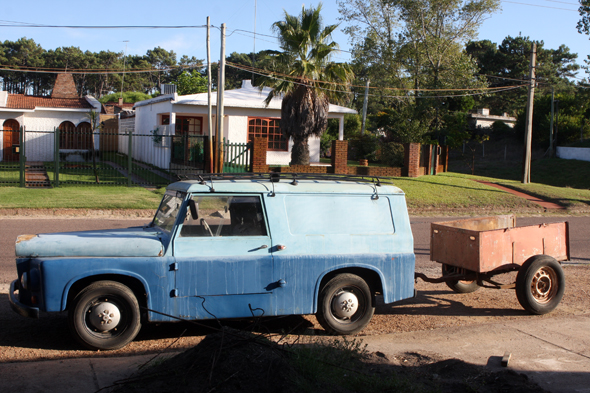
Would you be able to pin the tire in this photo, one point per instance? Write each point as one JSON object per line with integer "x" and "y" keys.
{"x": 540, "y": 284}
{"x": 334, "y": 316}
{"x": 459, "y": 286}
{"x": 95, "y": 329}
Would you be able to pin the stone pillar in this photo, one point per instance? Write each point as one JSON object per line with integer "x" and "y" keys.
{"x": 411, "y": 159}
{"x": 340, "y": 157}
{"x": 259, "y": 147}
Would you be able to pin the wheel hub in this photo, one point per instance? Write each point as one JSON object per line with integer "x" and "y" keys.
{"x": 542, "y": 285}
{"x": 345, "y": 305}
{"x": 104, "y": 316}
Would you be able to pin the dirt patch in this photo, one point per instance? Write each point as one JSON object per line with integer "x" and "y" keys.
{"x": 236, "y": 361}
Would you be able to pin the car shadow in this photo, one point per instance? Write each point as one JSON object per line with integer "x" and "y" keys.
{"x": 442, "y": 303}
{"x": 51, "y": 331}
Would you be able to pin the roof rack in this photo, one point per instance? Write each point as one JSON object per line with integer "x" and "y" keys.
{"x": 275, "y": 177}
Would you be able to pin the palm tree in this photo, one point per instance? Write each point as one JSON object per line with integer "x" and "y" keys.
{"x": 306, "y": 78}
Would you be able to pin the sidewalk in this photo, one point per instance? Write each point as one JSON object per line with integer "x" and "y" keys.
{"x": 557, "y": 356}
{"x": 545, "y": 204}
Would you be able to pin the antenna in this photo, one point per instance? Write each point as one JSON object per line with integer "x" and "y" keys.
{"x": 254, "y": 50}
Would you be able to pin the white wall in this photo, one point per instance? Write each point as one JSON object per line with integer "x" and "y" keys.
{"x": 574, "y": 153}
{"x": 40, "y": 125}
{"x": 235, "y": 127}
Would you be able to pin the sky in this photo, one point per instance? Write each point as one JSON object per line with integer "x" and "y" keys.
{"x": 551, "y": 21}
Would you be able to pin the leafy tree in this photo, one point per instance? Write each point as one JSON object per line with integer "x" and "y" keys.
{"x": 312, "y": 78}
{"x": 160, "y": 59}
{"x": 129, "y": 97}
{"x": 416, "y": 46}
{"x": 511, "y": 60}
{"x": 191, "y": 83}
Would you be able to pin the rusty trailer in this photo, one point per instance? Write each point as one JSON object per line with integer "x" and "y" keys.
{"x": 473, "y": 251}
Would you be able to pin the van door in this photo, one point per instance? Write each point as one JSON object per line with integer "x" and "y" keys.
{"x": 223, "y": 258}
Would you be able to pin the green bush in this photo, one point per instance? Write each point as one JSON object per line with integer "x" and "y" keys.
{"x": 391, "y": 154}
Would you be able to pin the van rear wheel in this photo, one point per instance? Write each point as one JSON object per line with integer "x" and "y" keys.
{"x": 345, "y": 305}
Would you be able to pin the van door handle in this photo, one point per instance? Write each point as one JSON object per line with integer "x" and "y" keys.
{"x": 259, "y": 248}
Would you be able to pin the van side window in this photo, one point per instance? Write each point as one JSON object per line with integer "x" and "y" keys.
{"x": 225, "y": 216}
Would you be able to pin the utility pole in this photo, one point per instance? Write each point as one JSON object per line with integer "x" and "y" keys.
{"x": 551, "y": 123}
{"x": 526, "y": 178}
{"x": 209, "y": 105}
{"x": 365, "y": 103}
{"x": 220, "y": 88}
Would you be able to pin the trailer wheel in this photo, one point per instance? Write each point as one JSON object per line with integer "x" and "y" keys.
{"x": 105, "y": 315}
{"x": 344, "y": 305}
{"x": 459, "y": 286}
{"x": 540, "y": 284}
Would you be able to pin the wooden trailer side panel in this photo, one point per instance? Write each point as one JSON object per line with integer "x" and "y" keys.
{"x": 488, "y": 250}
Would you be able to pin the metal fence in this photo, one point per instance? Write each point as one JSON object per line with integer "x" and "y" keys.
{"x": 60, "y": 157}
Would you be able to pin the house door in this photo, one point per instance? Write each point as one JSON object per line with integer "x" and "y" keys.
{"x": 10, "y": 139}
{"x": 223, "y": 259}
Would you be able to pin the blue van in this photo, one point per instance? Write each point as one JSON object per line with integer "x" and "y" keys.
{"x": 227, "y": 247}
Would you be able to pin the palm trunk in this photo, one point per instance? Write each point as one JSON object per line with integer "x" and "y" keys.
{"x": 300, "y": 151}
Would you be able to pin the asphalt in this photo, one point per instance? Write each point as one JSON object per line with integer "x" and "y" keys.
{"x": 554, "y": 352}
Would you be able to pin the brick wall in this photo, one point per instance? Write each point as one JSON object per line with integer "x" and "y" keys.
{"x": 259, "y": 155}
{"x": 411, "y": 160}
{"x": 374, "y": 171}
{"x": 340, "y": 157}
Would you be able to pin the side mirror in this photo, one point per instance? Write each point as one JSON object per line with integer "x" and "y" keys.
{"x": 194, "y": 209}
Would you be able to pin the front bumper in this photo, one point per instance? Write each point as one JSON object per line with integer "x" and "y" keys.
{"x": 17, "y": 306}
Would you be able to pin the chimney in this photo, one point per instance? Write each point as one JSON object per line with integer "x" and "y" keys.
{"x": 120, "y": 101}
{"x": 64, "y": 87}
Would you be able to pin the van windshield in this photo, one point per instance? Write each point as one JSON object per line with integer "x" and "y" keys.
{"x": 168, "y": 211}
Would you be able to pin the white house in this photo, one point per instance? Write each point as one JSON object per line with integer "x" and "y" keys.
{"x": 40, "y": 116}
{"x": 245, "y": 116}
{"x": 482, "y": 119}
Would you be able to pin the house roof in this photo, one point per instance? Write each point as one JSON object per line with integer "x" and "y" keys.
{"x": 247, "y": 96}
{"x": 21, "y": 101}
{"x": 115, "y": 107}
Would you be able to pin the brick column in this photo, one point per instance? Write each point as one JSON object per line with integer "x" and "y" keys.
{"x": 340, "y": 157}
{"x": 411, "y": 159}
{"x": 259, "y": 147}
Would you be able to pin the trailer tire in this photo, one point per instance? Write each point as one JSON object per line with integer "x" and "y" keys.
{"x": 343, "y": 294}
{"x": 540, "y": 284}
{"x": 459, "y": 286}
{"x": 104, "y": 316}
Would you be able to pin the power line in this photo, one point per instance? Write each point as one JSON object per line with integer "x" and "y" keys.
{"x": 540, "y": 6}
{"x": 43, "y": 70}
{"x": 286, "y": 77}
{"x": 7, "y": 23}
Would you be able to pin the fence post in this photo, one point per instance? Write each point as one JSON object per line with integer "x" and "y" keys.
{"x": 56, "y": 157}
{"x": 22, "y": 158}
{"x": 129, "y": 160}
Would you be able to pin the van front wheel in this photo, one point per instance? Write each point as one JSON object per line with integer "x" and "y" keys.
{"x": 105, "y": 315}
{"x": 344, "y": 305}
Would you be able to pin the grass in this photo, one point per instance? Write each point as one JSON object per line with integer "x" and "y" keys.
{"x": 82, "y": 197}
{"x": 337, "y": 366}
{"x": 565, "y": 182}
{"x": 450, "y": 191}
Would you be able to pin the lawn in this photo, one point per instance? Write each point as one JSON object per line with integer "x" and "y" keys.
{"x": 82, "y": 197}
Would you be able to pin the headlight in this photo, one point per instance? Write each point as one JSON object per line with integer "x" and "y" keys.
{"x": 24, "y": 281}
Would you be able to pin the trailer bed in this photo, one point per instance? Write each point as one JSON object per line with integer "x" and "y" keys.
{"x": 489, "y": 244}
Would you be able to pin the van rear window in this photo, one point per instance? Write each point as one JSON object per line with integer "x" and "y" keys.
{"x": 338, "y": 215}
